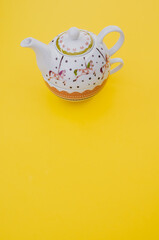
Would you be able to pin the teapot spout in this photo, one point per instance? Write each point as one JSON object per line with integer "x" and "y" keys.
{"x": 41, "y": 50}
{"x": 28, "y": 42}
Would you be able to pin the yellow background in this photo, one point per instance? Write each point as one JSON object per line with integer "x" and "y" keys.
{"x": 88, "y": 170}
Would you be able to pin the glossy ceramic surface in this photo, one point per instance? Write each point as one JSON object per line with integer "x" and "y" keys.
{"x": 76, "y": 64}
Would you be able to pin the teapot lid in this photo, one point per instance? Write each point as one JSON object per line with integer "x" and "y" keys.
{"x": 74, "y": 42}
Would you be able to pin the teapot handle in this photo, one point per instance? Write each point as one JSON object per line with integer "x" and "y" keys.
{"x": 118, "y": 44}
{"x": 116, "y": 60}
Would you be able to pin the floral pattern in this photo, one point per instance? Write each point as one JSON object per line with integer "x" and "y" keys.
{"x": 89, "y": 68}
{"x": 59, "y": 75}
{"x": 92, "y": 69}
{"x": 105, "y": 66}
{"x": 84, "y": 71}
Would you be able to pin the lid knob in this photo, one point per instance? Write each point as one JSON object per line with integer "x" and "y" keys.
{"x": 74, "y": 33}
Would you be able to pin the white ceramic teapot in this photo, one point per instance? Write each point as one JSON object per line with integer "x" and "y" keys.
{"x": 76, "y": 64}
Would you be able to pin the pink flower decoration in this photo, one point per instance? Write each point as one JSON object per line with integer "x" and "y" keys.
{"x": 81, "y": 47}
{"x": 63, "y": 45}
{"x": 74, "y": 49}
{"x": 68, "y": 49}
{"x": 61, "y": 41}
{"x": 86, "y": 43}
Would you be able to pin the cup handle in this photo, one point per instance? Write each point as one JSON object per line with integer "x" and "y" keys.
{"x": 116, "y": 60}
{"x": 118, "y": 44}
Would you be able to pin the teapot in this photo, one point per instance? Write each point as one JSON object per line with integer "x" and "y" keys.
{"x": 76, "y": 64}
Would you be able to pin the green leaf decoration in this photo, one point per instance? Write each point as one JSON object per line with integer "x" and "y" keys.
{"x": 88, "y": 65}
{"x": 75, "y": 72}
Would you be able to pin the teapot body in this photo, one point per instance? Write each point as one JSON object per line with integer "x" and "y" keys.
{"x": 76, "y": 77}
{"x": 76, "y": 64}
